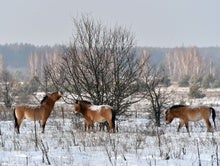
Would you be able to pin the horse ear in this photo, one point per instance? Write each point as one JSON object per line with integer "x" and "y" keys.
{"x": 77, "y": 101}
{"x": 45, "y": 97}
{"x": 166, "y": 111}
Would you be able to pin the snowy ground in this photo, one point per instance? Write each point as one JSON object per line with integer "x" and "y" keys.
{"x": 137, "y": 142}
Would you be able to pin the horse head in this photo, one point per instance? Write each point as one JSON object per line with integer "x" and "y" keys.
{"x": 76, "y": 106}
{"x": 55, "y": 96}
{"x": 81, "y": 105}
{"x": 168, "y": 116}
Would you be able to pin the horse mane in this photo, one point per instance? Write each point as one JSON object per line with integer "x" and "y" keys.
{"x": 177, "y": 106}
{"x": 83, "y": 101}
{"x": 45, "y": 97}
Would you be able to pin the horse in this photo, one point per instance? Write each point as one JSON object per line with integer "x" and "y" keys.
{"x": 41, "y": 112}
{"x": 95, "y": 113}
{"x": 189, "y": 113}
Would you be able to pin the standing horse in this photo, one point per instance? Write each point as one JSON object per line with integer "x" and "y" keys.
{"x": 95, "y": 113}
{"x": 41, "y": 112}
{"x": 188, "y": 113}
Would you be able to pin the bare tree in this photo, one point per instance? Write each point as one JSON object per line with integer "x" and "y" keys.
{"x": 6, "y": 88}
{"x": 156, "y": 93}
{"x": 100, "y": 65}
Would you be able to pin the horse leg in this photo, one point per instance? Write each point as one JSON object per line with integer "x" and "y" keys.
{"x": 18, "y": 121}
{"x": 40, "y": 123}
{"x": 187, "y": 127}
{"x": 17, "y": 125}
{"x": 43, "y": 124}
{"x": 91, "y": 125}
{"x": 208, "y": 125}
{"x": 180, "y": 125}
{"x": 110, "y": 125}
{"x": 101, "y": 128}
{"x": 86, "y": 124}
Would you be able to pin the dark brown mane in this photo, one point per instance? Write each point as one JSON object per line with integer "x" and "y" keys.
{"x": 83, "y": 101}
{"x": 177, "y": 106}
{"x": 45, "y": 97}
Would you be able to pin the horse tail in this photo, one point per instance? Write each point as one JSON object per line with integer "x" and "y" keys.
{"x": 113, "y": 119}
{"x": 16, "y": 120}
{"x": 213, "y": 115}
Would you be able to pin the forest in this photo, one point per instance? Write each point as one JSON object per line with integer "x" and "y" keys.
{"x": 24, "y": 57}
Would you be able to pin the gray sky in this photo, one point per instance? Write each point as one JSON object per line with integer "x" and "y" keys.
{"x": 164, "y": 23}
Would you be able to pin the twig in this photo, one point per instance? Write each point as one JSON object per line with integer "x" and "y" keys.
{"x": 217, "y": 156}
{"x": 45, "y": 152}
{"x": 198, "y": 154}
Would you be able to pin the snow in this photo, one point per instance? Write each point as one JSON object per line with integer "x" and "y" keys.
{"x": 137, "y": 142}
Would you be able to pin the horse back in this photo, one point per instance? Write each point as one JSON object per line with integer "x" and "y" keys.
{"x": 100, "y": 113}
{"x": 198, "y": 113}
{"x": 192, "y": 113}
{"x": 31, "y": 113}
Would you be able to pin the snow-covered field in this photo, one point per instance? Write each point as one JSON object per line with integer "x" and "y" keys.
{"x": 137, "y": 142}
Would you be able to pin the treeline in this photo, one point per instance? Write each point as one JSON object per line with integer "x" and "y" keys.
{"x": 26, "y": 58}
{"x": 188, "y": 64}
{"x": 179, "y": 63}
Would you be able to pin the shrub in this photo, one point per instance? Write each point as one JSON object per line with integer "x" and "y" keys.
{"x": 195, "y": 91}
{"x": 184, "y": 82}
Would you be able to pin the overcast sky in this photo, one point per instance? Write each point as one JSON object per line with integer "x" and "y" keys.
{"x": 163, "y": 23}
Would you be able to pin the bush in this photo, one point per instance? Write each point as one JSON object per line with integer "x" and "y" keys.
{"x": 184, "y": 82}
{"x": 195, "y": 92}
{"x": 216, "y": 84}
{"x": 165, "y": 81}
{"x": 207, "y": 81}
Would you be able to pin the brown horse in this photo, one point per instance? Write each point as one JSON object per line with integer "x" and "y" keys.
{"x": 188, "y": 113}
{"x": 95, "y": 113}
{"x": 41, "y": 112}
